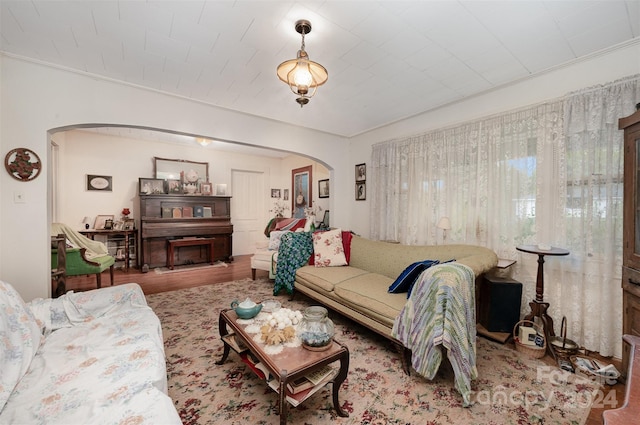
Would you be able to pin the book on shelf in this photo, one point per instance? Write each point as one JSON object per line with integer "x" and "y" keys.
{"x": 167, "y": 212}
{"x": 309, "y": 380}
{"x": 206, "y": 212}
{"x": 296, "y": 398}
{"x": 177, "y": 212}
{"x": 187, "y": 211}
{"x": 258, "y": 368}
{"x": 198, "y": 211}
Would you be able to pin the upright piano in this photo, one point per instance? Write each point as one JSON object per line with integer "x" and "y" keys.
{"x": 167, "y": 216}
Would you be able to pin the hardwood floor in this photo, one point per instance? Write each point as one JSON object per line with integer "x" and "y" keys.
{"x": 240, "y": 268}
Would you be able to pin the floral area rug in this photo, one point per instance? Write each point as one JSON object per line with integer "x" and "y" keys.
{"x": 511, "y": 388}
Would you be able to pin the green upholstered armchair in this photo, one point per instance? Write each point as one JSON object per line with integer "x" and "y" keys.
{"x": 83, "y": 255}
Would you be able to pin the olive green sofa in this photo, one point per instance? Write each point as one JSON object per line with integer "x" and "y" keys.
{"x": 359, "y": 291}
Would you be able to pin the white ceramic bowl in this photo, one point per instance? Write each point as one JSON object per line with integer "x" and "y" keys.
{"x": 269, "y": 306}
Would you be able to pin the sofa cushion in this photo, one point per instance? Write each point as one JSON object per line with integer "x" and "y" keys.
{"x": 328, "y": 250}
{"x": 327, "y": 277}
{"x": 405, "y": 281}
{"x": 369, "y": 291}
{"x": 20, "y": 337}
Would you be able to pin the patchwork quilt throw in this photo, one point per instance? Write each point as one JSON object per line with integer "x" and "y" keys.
{"x": 440, "y": 314}
{"x": 294, "y": 252}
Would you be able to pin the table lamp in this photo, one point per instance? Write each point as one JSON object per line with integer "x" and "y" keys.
{"x": 444, "y": 224}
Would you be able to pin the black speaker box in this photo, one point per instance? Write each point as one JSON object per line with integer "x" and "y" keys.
{"x": 499, "y": 303}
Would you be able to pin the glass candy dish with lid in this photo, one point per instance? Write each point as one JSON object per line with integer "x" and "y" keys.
{"x": 315, "y": 330}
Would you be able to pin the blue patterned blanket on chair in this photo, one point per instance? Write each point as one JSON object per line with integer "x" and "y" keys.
{"x": 440, "y": 313}
{"x": 294, "y": 252}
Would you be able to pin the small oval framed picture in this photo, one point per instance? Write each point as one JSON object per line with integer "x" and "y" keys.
{"x": 101, "y": 183}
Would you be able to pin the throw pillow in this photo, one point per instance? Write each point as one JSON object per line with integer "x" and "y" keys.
{"x": 274, "y": 239}
{"x": 21, "y": 336}
{"x": 405, "y": 281}
{"x": 328, "y": 250}
{"x": 346, "y": 245}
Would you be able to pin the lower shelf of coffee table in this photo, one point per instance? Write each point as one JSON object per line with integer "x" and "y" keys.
{"x": 236, "y": 344}
{"x": 296, "y": 398}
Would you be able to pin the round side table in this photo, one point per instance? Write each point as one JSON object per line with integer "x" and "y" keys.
{"x": 538, "y": 306}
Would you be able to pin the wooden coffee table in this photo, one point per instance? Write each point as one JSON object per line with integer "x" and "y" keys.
{"x": 289, "y": 364}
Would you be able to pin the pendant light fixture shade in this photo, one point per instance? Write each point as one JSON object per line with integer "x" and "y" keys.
{"x": 303, "y": 76}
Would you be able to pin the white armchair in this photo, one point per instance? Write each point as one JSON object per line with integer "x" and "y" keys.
{"x": 264, "y": 259}
{"x": 266, "y": 255}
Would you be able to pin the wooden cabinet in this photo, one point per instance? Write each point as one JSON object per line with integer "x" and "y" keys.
{"x": 631, "y": 232}
{"x": 162, "y": 219}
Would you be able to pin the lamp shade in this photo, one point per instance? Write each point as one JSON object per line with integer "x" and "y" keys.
{"x": 444, "y": 223}
{"x": 302, "y": 74}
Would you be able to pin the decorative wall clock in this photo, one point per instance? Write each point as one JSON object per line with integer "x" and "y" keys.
{"x": 23, "y": 164}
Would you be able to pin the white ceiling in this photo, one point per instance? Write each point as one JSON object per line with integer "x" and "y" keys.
{"x": 387, "y": 60}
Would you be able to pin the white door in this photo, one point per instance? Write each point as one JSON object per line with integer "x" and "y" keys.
{"x": 247, "y": 210}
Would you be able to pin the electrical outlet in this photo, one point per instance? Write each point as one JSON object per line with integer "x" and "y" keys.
{"x": 19, "y": 197}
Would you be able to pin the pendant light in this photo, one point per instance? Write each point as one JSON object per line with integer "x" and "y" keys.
{"x": 302, "y": 75}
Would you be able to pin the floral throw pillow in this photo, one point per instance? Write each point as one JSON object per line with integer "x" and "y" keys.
{"x": 328, "y": 250}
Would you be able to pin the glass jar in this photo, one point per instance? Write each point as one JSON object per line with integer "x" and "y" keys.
{"x": 315, "y": 329}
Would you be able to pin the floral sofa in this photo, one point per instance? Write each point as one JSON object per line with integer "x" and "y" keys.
{"x": 93, "y": 357}
{"x": 360, "y": 290}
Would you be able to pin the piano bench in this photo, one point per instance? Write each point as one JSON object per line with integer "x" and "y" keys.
{"x": 176, "y": 243}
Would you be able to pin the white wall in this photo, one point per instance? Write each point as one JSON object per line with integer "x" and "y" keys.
{"x": 600, "y": 69}
{"x": 37, "y": 98}
{"x": 126, "y": 160}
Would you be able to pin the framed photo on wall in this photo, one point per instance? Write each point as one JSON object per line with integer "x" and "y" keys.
{"x": 100, "y": 183}
{"x": 361, "y": 191}
{"x": 323, "y": 188}
{"x": 275, "y": 193}
{"x": 285, "y": 196}
{"x": 301, "y": 191}
{"x": 361, "y": 172}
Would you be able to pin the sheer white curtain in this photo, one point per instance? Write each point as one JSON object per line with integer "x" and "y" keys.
{"x": 542, "y": 174}
{"x": 481, "y": 174}
{"x": 586, "y": 286}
